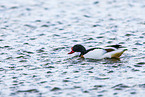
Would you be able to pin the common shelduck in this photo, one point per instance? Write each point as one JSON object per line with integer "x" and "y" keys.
{"x": 111, "y": 51}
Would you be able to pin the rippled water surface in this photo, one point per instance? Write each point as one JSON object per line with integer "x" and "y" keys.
{"x": 36, "y": 35}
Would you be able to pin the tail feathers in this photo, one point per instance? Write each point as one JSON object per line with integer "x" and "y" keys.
{"x": 125, "y": 50}
{"x": 118, "y": 54}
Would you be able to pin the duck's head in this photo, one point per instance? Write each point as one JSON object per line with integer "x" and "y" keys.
{"x": 77, "y": 48}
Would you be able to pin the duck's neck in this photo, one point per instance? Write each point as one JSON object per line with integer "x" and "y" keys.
{"x": 83, "y": 52}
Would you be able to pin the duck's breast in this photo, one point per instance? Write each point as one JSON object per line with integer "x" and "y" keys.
{"x": 95, "y": 54}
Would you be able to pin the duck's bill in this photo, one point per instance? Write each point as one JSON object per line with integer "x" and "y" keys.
{"x": 71, "y": 52}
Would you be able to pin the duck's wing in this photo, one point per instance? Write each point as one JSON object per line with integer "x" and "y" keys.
{"x": 109, "y": 49}
{"x": 115, "y": 46}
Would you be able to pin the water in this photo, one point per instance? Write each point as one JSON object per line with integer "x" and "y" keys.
{"x": 36, "y": 35}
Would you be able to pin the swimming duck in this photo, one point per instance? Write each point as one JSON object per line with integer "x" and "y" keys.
{"x": 111, "y": 51}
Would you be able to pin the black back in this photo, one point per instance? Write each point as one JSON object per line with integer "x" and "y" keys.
{"x": 115, "y": 46}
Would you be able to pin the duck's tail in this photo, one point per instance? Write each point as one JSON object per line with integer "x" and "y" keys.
{"x": 118, "y": 54}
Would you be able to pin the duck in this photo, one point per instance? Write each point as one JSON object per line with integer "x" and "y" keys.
{"x": 111, "y": 51}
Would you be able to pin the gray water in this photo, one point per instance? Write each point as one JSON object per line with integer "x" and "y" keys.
{"x": 36, "y": 35}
